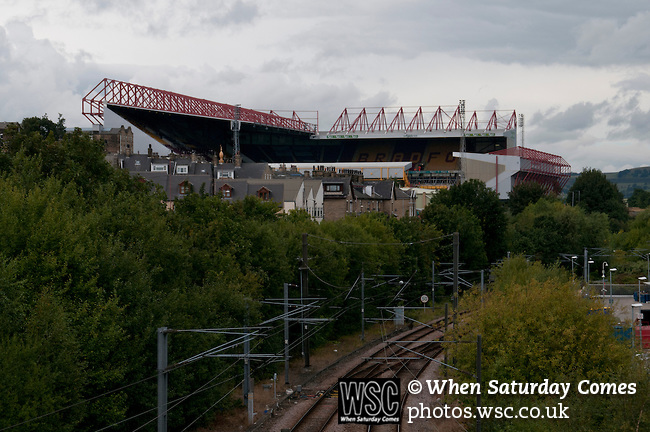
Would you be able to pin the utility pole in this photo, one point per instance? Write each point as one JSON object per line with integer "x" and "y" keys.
{"x": 235, "y": 136}
{"x": 463, "y": 146}
{"x": 479, "y": 350}
{"x": 162, "y": 379}
{"x": 585, "y": 267}
{"x": 433, "y": 286}
{"x": 456, "y": 259}
{"x": 482, "y": 285}
{"x": 363, "y": 306}
{"x": 286, "y": 333}
{"x": 305, "y": 289}
{"x": 247, "y": 371}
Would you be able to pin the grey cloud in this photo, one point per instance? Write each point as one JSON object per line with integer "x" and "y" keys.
{"x": 37, "y": 79}
{"x": 541, "y": 32}
{"x": 609, "y": 41}
{"x": 553, "y": 126}
{"x": 640, "y": 82}
{"x": 575, "y": 118}
{"x": 233, "y": 14}
{"x": 628, "y": 120}
{"x": 175, "y": 17}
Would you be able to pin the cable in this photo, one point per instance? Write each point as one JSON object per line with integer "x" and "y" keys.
{"x": 78, "y": 403}
{"x": 199, "y": 390}
{"x": 381, "y": 244}
{"x": 212, "y": 406}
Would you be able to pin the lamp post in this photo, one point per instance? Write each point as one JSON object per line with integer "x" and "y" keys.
{"x": 572, "y": 261}
{"x": 604, "y": 264}
{"x": 641, "y": 278}
{"x": 611, "y": 300}
{"x": 635, "y": 305}
{"x": 588, "y": 269}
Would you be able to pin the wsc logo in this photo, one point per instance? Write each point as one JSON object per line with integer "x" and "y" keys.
{"x": 369, "y": 400}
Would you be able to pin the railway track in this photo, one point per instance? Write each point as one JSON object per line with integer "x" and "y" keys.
{"x": 404, "y": 357}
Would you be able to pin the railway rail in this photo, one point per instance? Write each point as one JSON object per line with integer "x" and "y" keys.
{"x": 405, "y": 357}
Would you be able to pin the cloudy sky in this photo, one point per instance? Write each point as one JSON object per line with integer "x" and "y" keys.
{"x": 578, "y": 70}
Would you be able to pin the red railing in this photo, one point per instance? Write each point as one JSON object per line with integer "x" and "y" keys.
{"x": 547, "y": 169}
{"x": 439, "y": 120}
{"x": 119, "y": 93}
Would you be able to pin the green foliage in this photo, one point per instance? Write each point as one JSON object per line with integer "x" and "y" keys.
{"x": 640, "y": 198}
{"x": 462, "y": 220}
{"x": 547, "y": 228}
{"x": 536, "y": 327}
{"x": 525, "y": 194}
{"x": 91, "y": 264}
{"x": 485, "y": 205}
{"x": 594, "y": 193}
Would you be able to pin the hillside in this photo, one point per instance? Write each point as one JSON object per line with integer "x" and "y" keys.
{"x": 626, "y": 180}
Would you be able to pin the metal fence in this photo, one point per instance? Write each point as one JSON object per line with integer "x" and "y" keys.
{"x": 616, "y": 289}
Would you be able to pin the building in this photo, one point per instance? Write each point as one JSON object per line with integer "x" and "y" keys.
{"x": 176, "y": 177}
{"x": 115, "y": 140}
{"x": 330, "y": 195}
{"x": 502, "y": 170}
{"x": 429, "y": 138}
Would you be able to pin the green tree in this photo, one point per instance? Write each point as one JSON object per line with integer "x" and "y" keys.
{"x": 537, "y": 327}
{"x": 637, "y": 235}
{"x": 90, "y": 267}
{"x": 483, "y": 203}
{"x": 640, "y": 198}
{"x": 547, "y": 228}
{"x": 462, "y": 220}
{"x": 594, "y": 193}
{"x": 524, "y": 194}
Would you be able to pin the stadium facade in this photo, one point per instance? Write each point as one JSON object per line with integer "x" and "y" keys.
{"x": 437, "y": 141}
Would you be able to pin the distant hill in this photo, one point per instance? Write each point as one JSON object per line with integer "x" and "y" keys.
{"x": 626, "y": 180}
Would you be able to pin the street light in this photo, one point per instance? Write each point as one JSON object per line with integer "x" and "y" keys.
{"x": 641, "y": 278}
{"x": 611, "y": 301}
{"x": 589, "y": 262}
{"x": 572, "y": 274}
{"x": 635, "y": 305}
{"x": 604, "y": 264}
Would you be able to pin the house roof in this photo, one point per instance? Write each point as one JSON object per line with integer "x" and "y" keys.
{"x": 252, "y": 170}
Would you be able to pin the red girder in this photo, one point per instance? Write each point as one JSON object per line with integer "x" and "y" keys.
{"x": 379, "y": 123}
{"x": 361, "y": 122}
{"x": 398, "y": 122}
{"x": 455, "y": 122}
{"x": 418, "y": 121}
{"x": 113, "y": 92}
{"x": 473, "y": 122}
{"x": 342, "y": 124}
{"x": 549, "y": 170}
{"x": 440, "y": 121}
{"x": 437, "y": 120}
{"x": 512, "y": 123}
{"x": 493, "y": 122}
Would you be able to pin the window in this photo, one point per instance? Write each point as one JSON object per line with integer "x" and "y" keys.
{"x": 184, "y": 188}
{"x": 264, "y": 194}
{"x": 159, "y": 167}
{"x": 182, "y": 169}
{"x": 333, "y": 188}
{"x": 226, "y": 191}
{"x": 225, "y": 175}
